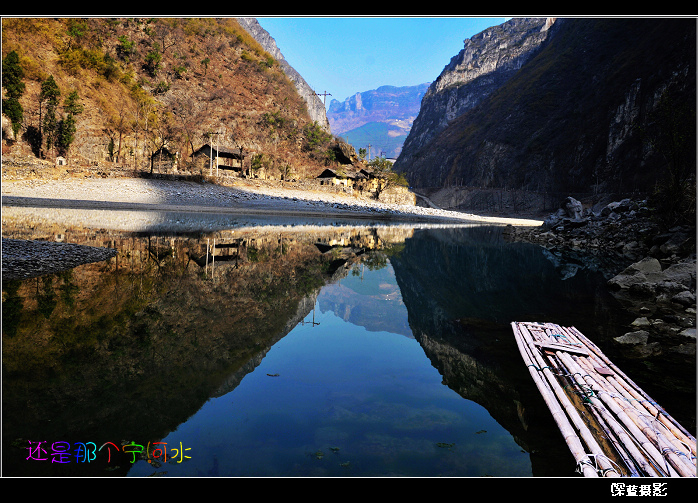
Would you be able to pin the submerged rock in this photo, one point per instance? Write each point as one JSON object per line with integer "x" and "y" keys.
{"x": 638, "y": 337}
{"x": 689, "y": 332}
{"x": 646, "y": 277}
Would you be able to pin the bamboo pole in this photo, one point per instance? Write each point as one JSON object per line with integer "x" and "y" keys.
{"x": 642, "y": 459}
{"x": 677, "y": 439}
{"x": 573, "y": 369}
{"x": 657, "y": 412}
{"x": 617, "y": 392}
{"x": 620, "y": 373}
{"x": 619, "y": 430}
{"x": 624, "y": 386}
{"x": 622, "y": 451}
{"x": 641, "y": 414}
{"x": 628, "y": 441}
{"x": 558, "y": 413}
{"x": 611, "y": 434}
{"x": 570, "y": 438}
{"x": 618, "y": 410}
{"x": 679, "y": 463}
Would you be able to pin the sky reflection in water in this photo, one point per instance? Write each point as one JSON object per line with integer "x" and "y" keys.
{"x": 335, "y": 399}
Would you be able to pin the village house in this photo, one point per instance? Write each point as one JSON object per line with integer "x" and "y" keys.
{"x": 363, "y": 180}
{"x": 164, "y": 161}
{"x": 335, "y": 177}
{"x": 228, "y": 159}
{"x": 369, "y": 182}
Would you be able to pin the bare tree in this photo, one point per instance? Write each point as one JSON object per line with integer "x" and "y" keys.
{"x": 190, "y": 115}
{"x": 164, "y": 132}
{"x": 119, "y": 124}
{"x": 166, "y": 34}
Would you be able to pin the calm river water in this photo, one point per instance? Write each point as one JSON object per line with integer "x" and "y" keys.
{"x": 321, "y": 351}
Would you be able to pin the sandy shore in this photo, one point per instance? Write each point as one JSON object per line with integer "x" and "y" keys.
{"x": 243, "y": 199}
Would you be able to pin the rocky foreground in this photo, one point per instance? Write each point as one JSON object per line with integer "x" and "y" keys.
{"x": 658, "y": 285}
{"x": 23, "y": 259}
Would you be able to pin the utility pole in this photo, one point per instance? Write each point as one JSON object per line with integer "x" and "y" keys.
{"x": 210, "y": 159}
{"x": 323, "y": 97}
{"x": 313, "y": 323}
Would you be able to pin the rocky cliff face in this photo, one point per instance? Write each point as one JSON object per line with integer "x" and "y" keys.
{"x": 566, "y": 105}
{"x": 487, "y": 61}
{"x": 316, "y": 108}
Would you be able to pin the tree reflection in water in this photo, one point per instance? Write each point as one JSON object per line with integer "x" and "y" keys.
{"x": 130, "y": 349}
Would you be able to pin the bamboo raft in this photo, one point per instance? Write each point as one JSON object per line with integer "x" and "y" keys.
{"x": 612, "y": 427}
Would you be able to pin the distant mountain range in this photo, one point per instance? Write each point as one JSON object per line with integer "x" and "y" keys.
{"x": 380, "y": 118}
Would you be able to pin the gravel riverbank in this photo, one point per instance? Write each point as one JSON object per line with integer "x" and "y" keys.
{"x": 246, "y": 198}
{"x": 136, "y": 204}
{"x": 27, "y": 259}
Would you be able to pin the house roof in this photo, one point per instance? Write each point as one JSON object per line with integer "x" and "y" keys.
{"x": 347, "y": 173}
{"x": 222, "y": 151}
{"x": 328, "y": 173}
{"x": 163, "y": 150}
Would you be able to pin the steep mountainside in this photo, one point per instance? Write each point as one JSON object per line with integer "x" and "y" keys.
{"x": 484, "y": 65}
{"x": 576, "y": 105}
{"x": 380, "y": 117}
{"x": 149, "y": 83}
{"x": 316, "y": 108}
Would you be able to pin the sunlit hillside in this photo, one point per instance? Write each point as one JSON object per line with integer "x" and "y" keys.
{"x": 144, "y": 84}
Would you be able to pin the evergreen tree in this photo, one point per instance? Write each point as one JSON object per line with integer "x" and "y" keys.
{"x": 153, "y": 59}
{"x": 49, "y": 94}
{"x": 12, "y": 75}
{"x": 65, "y": 134}
{"x": 72, "y": 104}
{"x": 66, "y": 127}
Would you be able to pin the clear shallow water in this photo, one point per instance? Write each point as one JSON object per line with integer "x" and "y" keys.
{"x": 335, "y": 399}
{"x": 366, "y": 351}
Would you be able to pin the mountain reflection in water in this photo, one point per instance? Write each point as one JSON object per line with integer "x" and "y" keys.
{"x": 345, "y": 351}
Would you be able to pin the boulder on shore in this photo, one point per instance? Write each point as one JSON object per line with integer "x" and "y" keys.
{"x": 658, "y": 287}
{"x": 574, "y": 208}
{"x": 647, "y": 277}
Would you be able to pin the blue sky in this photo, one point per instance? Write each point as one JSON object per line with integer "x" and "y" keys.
{"x": 346, "y": 55}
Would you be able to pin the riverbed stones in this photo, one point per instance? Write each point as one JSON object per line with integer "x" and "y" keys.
{"x": 641, "y": 322}
{"x": 639, "y": 345}
{"x": 638, "y": 337}
{"x": 658, "y": 286}
{"x": 574, "y": 208}
{"x": 646, "y": 277}
{"x": 689, "y": 332}
{"x": 644, "y": 272}
{"x": 685, "y": 298}
{"x": 23, "y": 259}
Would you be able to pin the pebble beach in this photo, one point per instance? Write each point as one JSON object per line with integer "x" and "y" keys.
{"x": 153, "y": 194}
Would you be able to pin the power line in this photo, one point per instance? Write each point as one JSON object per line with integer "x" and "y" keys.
{"x": 323, "y": 96}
